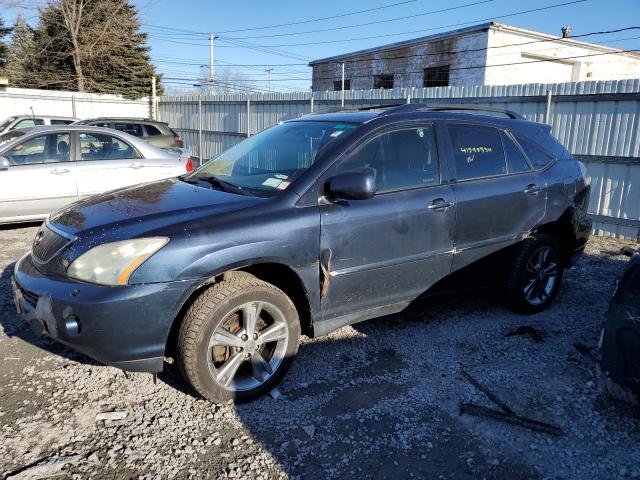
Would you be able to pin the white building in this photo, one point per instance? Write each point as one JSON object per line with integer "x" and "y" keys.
{"x": 487, "y": 54}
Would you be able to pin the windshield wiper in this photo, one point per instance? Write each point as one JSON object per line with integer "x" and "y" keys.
{"x": 222, "y": 184}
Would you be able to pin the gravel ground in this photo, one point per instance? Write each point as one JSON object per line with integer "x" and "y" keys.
{"x": 376, "y": 401}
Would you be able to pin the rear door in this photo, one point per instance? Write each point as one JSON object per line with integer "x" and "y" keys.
{"x": 107, "y": 162}
{"x": 499, "y": 197}
{"x": 389, "y": 249}
{"x": 41, "y": 176}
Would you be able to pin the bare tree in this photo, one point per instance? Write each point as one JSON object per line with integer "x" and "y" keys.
{"x": 232, "y": 80}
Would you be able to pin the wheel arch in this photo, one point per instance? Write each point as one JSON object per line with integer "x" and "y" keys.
{"x": 563, "y": 230}
{"x": 276, "y": 273}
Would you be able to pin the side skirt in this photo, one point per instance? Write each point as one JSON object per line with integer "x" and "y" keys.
{"x": 325, "y": 327}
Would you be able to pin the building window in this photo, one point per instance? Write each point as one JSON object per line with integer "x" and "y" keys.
{"x": 383, "y": 81}
{"x": 337, "y": 85}
{"x": 436, "y": 76}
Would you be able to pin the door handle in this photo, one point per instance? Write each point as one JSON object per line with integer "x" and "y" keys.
{"x": 532, "y": 189}
{"x": 136, "y": 165}
{"x": 60, "y": 171}
{"x": 439, "y": 204}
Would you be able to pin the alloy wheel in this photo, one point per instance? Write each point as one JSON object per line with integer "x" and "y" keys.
{"x": 248, "y": 346}
{"x": 541, "y": 275}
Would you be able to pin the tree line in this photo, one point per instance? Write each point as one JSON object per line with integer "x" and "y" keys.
{"x": 80, "y": 45}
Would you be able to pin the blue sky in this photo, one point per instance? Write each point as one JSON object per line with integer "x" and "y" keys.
{"x": 179, "y": 52}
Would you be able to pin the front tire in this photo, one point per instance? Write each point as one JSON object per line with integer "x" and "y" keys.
{"x": 238, "y": 339}
{"x": 535, "y": 275}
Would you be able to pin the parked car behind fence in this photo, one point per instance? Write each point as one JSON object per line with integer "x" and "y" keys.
{"x": 154, "y": 132}
{"x": 28, "y": 121}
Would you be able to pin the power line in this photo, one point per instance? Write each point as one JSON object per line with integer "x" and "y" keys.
{"x": 507, "y": 15}
{"x": 482, "y": 49}
{"x": 169, "y": 31}
{"x": 459, "y": 24}
{"x": 450, "y": 52}
{"x": 260, "y": 48}
{"x": 320, "y": 19}
{"x": 415, "y": 15}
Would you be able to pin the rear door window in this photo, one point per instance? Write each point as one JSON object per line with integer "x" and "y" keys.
{"x": 516, "y": 162}
{"x": 29, "y": 122}
{"x": 477, "y": 151}
{"x": 134, "y": 129}
{"x": 152, "y": 131}
{"x": 538, "y": 157}
{"x": 51, "y": 148}
{"x": 98, "y": 146}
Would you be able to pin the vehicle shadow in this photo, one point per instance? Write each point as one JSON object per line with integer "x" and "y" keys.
{"x": 383, "y": 401}
{"x": 14, "y": 326}
{"x": 354, "y": 406}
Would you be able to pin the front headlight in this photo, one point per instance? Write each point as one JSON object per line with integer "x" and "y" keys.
{"x": 113, "y": 263}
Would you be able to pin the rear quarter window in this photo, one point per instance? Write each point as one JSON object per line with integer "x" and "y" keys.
{"x": 152, "y": 131}
{"x": 537, "y": 156}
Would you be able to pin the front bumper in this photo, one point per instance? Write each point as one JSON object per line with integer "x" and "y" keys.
{"x": 126, "y": 327}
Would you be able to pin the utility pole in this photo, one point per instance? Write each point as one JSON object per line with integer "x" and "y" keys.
{"x": 269, "y": 70}
{"x": 342, "y": 87}
{"x": 154, "y": 98}
{"x": 212, "y": 80}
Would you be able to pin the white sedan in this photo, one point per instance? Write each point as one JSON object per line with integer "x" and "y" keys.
{"x": 46, "y": 168}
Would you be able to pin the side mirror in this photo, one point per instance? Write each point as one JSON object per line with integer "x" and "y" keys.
{"x": 357, "y": 185}
{"x": 4, "y": 163}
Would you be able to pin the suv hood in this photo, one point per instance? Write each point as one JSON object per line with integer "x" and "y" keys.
{"x": 146, "y": 207}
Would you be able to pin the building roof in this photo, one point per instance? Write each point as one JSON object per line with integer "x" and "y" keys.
{"x": 467, "y": 31}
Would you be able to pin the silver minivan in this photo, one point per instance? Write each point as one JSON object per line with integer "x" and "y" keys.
{"x": 46, "y": 168}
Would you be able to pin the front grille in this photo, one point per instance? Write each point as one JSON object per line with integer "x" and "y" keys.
{"x": 47, "y": 244}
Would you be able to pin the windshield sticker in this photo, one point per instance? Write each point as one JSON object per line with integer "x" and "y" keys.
{"x": 421, "y": 132}
{"x": 272, "y": 182}
{"x": 283, "y": 184}
{"x": 281, "y": 176}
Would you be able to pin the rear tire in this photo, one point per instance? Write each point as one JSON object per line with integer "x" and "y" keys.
{"x": 238, "y": 339}
{"x": 535, "y": 275}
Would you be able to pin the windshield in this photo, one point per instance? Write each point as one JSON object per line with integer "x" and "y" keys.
{"x": 271, "y": 160}
{"x": 10, "y": 135}
{"x": 6, "y": 122}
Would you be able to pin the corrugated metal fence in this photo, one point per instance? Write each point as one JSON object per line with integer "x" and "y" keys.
{"x": 598, "y": 121}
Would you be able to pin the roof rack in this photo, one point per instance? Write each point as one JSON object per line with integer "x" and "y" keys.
{"x": 412, "y": 107}
{"x": 376, "y": 107}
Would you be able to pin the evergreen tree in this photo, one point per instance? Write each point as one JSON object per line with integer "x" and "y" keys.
{"x": 92, "y": 46}
{"x": 4, "y": 31}
{"x": 20, "y": 52}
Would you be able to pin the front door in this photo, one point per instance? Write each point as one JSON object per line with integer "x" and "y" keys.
{"x": 40, "y": 179}
{"x": 499, "y": 197}
{"x": 381, "y": 253}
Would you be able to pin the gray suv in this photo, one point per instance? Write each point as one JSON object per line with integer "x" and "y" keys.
{"x": 311, "y": 225}
{"x": 155, "y": 132}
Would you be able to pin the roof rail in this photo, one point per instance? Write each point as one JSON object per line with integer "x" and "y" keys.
{"x": 376, "y": 107}
{"x": 412, "y": 107}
